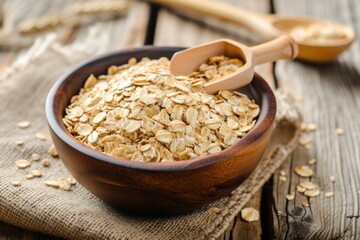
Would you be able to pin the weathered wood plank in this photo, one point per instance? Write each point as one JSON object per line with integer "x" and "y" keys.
{"x": 128, "y": 31}
{"x": 331, "y": 100}
{"x": 187, "y": 30}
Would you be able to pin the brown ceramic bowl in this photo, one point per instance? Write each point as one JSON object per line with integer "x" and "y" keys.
{"x": 156, "y": 188}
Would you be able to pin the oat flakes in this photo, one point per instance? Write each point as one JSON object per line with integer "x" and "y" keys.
{"x": 23, "y": 124}
{"x": 329, "y": 194}
{"x": 52, "y": 151}
{"x": 304, "y": 171}
{"x": 22, "y": 163}
{"x": 46, "y": 162}
{"x": 250, "y": 214}
{"x": 140, "y": 112}
{"x": 16, "y": 183}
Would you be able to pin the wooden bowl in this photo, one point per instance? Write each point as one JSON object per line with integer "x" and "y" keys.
{"x": 156, "y": 188}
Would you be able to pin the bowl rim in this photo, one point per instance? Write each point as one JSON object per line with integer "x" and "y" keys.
{"x": 59, "y": 129}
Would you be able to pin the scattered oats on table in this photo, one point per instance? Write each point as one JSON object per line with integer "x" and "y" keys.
{"x": 140, "y": 112}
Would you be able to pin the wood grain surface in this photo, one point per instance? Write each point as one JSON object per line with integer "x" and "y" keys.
{"x": 331, "y": 97}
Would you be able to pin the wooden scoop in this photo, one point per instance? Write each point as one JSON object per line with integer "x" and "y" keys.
{"x": 185, "y": 62}
{"x": 268, "y": 26}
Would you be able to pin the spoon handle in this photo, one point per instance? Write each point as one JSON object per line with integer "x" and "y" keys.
{"x": 283, "y": 47}
{"x": 252, "y": 21}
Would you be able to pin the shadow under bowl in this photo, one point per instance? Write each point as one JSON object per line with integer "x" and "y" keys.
{"x": 156, "y": 188}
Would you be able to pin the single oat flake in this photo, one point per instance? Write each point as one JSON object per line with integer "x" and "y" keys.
{"x": 290, "y": 196}
{"x": 140, "y": 112}
{"x": 52, "y": 183}
{"x": 312, "y": 193}
{"x": 340, "y": 131}
{"x": 72, "y": 181}
{"x": 19, "y": 142}
{"x": 250, "y": 214}
{"x": 23, "y": 124}
{"x": 41, "y": 136}
{"x": 215, "y": 210}
{"x": 35, "y": 157}
{"x": 64, "y": 184}
{"x": 46, "y": 162}
{"x": 308, "y": 185}
{"x": 22, "y": 163}
{"x": 36, "y": 173}
{"x": 312, "y": 161}
{"x": 311, "y": 127}
{"x": 304, "y": 171}
{"x": 29, "y": 176}
{"x": 329, "y": 194}
{"x": 52, "y": 151}
{"x": 300, "y": 189}
{"x": 16, "y": 183}
{"x": 283, "y": 178}
{"x": 332, "y": 179}
{"x": 305, "y": 204}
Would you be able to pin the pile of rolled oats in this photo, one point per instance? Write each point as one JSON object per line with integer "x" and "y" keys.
{"x": 140, "y": 112}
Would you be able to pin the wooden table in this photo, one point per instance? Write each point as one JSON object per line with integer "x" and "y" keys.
{"x": 329, "y": 96}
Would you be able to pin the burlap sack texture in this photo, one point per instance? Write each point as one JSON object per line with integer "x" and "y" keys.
{"x": 77, "y": 214}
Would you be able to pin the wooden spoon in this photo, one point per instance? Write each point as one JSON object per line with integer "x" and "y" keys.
{"x": 186, "y": 61}
{"x": 269, "y": 26}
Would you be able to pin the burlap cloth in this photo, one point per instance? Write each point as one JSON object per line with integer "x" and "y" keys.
{"x": 77, "y": 214}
